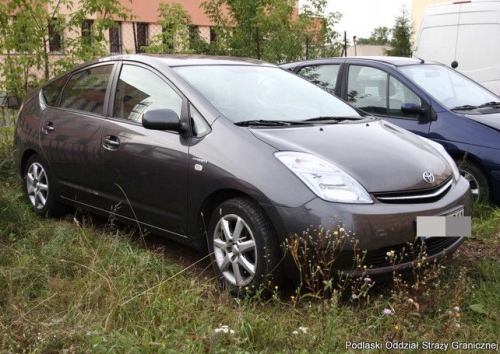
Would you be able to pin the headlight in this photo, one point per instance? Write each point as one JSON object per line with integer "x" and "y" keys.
{"x": 326, "y": 180}
{"x": 440, "y": 148}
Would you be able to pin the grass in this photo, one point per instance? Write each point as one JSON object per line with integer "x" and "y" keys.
{"x": 78, "y": 285}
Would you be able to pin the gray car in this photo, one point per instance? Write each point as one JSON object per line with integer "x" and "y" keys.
{"x": 233, "y": 157}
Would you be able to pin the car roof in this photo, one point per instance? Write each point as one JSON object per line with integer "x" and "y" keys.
{"x": 396, "y": 61}
{"x": 173, "y": 60}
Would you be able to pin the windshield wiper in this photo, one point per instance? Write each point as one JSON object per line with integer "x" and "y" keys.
{"x": 466, "y": 107}
{"x": 330, "y": 118}
{"x": 490, "y": 104}
{"x": 263, "y": 122}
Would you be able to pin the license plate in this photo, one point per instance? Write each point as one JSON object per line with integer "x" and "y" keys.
{"x": 459, "y": 212}
{"x": 456, "y": 213}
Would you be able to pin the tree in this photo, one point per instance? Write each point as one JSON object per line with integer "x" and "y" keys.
{"x": 379, "y": 36}
{"x": 175, "y": 22}
{"x": 31, "y": 30}
{"x": 401, "y": 36}
{"x": 325, "y": 40}
{"x": 270, "y": 29}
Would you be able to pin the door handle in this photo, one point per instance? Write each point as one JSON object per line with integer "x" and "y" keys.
{"x": 48, "y": 127}
{"x": 111, "y": 142}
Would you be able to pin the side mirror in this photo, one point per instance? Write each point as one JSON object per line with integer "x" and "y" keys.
{"x": 162, "y": 119}
{"x": 412, "y": 108}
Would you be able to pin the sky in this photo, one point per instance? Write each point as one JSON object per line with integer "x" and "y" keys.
{"x": 361, "y": 17}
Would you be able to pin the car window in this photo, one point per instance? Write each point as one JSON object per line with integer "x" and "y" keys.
{"x": 52, "y": 90}
{"x": 86, "y": 89}
{"x": 139, "y": 90}
{"x": 447, "y": 86}
{"x": 325, "y": 76}
{"x": 246, "y": 93}
{"x": 399, "y": 93}
{"x": 199, "y": 126}
{"x": 375, "y": 91}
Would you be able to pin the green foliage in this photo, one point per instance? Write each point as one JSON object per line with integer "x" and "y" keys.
{"x": 319, "y": 28}
{"x": 26, "y": 40}
{"x": 175, "y": 35}
{"x": 401, "y": 36}
{"x": 81, "y": 286}
{"x": 7, "y": 154}
{"x": 379, "y": 36}
{"x": 270, "y": 29}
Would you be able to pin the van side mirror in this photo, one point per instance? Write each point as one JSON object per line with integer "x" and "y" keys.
{"x": 162, "y": 119}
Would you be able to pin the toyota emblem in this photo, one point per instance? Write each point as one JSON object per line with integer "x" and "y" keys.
{"x": 428, "y": 177}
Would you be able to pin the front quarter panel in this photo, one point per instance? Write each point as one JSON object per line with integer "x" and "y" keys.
{"x": 231, "y": 161}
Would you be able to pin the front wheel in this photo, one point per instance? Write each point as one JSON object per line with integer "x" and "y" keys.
{"x": 244, "y": 248}
{"x": 479, "y": 185}
{"x": 39, "y": 188}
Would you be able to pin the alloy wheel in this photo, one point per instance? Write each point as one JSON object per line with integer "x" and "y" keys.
{"x": 37, "y": 185}
{"x": 235, "y": 250}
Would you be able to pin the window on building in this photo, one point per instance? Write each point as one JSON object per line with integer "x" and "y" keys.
{"x": 142, "y": 36}
{"x": 87, "y": 31}
{"x": 213, "y": 35}
{"x": 115, "y": 39}
{"x": 55, "y": 37}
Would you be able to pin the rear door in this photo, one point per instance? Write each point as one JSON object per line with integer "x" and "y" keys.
{"x": 71, "y": 132}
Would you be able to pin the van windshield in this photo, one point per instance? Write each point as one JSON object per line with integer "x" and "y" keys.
{"x": 452, "y": 89}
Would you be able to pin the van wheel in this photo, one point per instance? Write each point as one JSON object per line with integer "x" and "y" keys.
{"x": 39, "y": 188}
{"x": 243, "y": 247}
{"x": 479, "y": 185}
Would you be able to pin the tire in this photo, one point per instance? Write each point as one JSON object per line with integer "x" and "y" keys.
{"x": 39, "y": 188}
{"x": 479, "y": 185}
{"x": 243, "y": 247}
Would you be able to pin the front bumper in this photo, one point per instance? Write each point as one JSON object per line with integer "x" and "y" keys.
{"x": 373, "y": 231}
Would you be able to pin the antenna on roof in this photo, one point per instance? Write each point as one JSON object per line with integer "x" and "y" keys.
{"x": 421, "y": 60}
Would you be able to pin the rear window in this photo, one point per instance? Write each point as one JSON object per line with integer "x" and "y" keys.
{"x": 52, "y": 90}
{"x": 86, "y": 89}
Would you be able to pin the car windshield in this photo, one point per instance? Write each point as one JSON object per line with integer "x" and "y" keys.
{"x": 261, "y": 94}
{"x": 450, "y": 88}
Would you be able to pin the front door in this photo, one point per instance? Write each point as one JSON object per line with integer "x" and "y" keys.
{"x": 145, "y": 171}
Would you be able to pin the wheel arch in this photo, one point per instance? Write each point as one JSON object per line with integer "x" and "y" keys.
{"x": 475, "y": 161}
{"x": 209, "y": 205}
{"x": 24, "y": 159}
{"x": 460, "y": 156}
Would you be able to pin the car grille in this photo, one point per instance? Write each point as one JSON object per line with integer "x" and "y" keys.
{"x": 406, "y": 253}
{"x": 400, "y": 254}
{"x": 420, "y": 196}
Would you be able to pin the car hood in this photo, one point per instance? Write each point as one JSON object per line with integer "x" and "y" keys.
{"x": 491, "y": 120}
{"x": 379, "y": 155}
